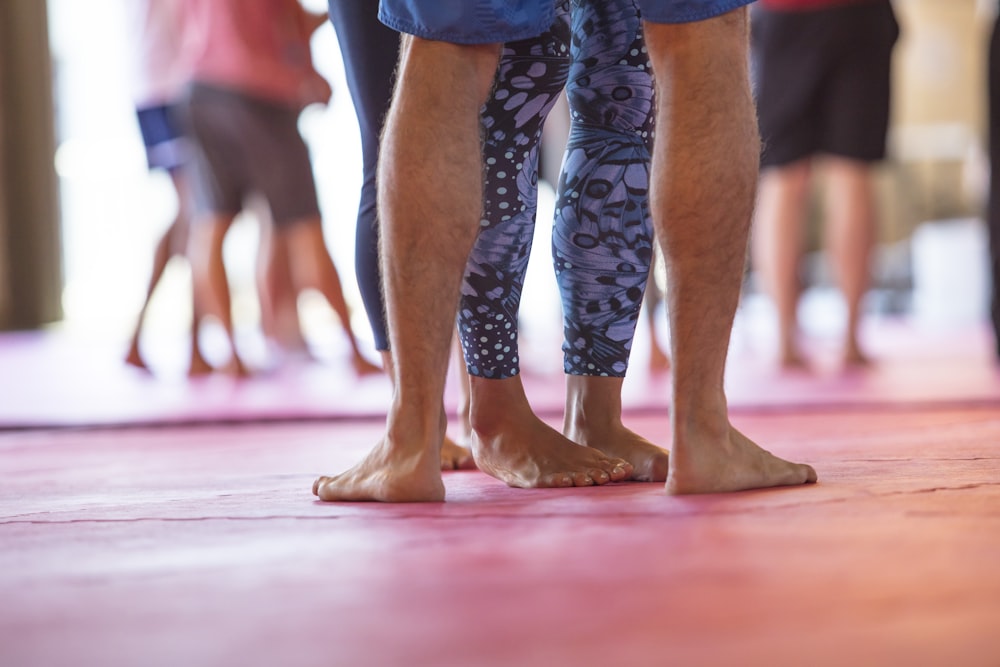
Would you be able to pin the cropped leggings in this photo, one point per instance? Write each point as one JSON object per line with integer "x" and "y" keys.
{"x": 602, "y": 236}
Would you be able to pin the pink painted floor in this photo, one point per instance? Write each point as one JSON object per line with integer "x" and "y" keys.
{"x": 151, "y": 521}
{"x": 203, "y": 546}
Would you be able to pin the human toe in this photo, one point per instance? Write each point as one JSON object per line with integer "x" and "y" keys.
{"x": 811, "y": 476}
{"x": 558, "y": 480}
{"x": 319, "y": 482}
{"x": 619, "y": 470}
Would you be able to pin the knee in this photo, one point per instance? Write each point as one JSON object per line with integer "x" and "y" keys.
{"x": 713, "y": 40}
{"x": 474, "y": 65}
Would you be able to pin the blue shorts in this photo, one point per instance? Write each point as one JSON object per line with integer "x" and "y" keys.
{"x": 496, "y": 21}
{"x": 163, "y": 137}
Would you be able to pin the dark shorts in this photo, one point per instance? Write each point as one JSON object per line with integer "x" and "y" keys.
{"x": 163, "y": 136}
{"x": 245, "y": 145}
{"x": 494, "y": 21}
{"x": 822, "y": 81}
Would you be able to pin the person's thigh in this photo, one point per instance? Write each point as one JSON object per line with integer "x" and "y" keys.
{"x": 469, "y": 21}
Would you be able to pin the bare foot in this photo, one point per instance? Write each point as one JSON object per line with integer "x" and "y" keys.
{"x": 512, "y": 444}
{"x": 363, "y": 367}
{"x": 593, "y": 417}
{"x": 703, "y": 462}
{"x": 134, "y": 358}
{"x": 649, "y": 462}
{"x": 456, "y": 457}
{"x": 199, "y": 366}
{"x": 235, "y": 368}
{"x": 407, "y": 473}
{"x": 534, "y": 455}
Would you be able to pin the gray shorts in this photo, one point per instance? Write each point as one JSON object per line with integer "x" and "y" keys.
{"x": 245, "y": 145}
{"x": 495, "y": 21}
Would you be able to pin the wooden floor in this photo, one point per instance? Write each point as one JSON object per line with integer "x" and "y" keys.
{"x": 200, "y": 544}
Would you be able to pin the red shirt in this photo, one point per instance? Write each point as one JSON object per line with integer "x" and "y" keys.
{"x": 259, "y": 48}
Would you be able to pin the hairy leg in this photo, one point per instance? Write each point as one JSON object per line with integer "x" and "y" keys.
{"x": 778, "y": 239}
{"x": 704, "y": 176}
{"x": 850, "y": 226}
{"x": 593, "y": 418}
{"x": 430, "y": 200}
{"x": 453, "y": 455}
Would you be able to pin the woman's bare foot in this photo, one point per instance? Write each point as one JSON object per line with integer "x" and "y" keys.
{"x": 390, "y": 473}
{"x": 531, "y": 454}
{"x": 512, "y": 444}
{"x": 456, "y": 457}
{"x": 708, "y": 461}
{"x": 593, "y": 418}
{"x": 649, "y": 462}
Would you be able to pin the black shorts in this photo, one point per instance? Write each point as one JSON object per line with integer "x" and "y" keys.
{"x": 822, "y": 80}
{"x": 245, "y": 145}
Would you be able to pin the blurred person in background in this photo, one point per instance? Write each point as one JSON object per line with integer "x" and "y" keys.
{"x": 822, "y": 82}
{"x": 251, "y": 76}
{"x": 156, "y": 29}
{"x": 993, "y": 205}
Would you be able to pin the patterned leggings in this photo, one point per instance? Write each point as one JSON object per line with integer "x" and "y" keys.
{"x": 602, "y": 240}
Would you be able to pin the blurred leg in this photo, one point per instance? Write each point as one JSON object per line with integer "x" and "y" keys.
{"x": 778, "y": 241}
{"x": 850, "y": 226}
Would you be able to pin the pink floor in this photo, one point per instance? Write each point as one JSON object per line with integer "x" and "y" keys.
{"x": 200, "y": 544}
{"x": 63, "y": 379}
